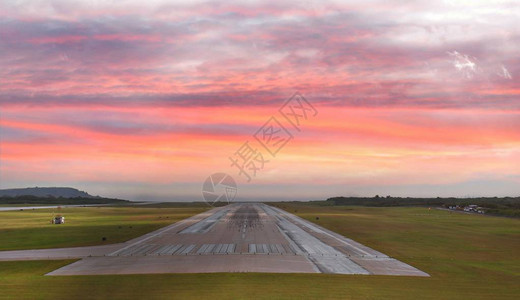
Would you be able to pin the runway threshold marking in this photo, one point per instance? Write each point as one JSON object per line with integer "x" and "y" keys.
{"x": 162, "y": 230}
{"x": 318, "y": 230}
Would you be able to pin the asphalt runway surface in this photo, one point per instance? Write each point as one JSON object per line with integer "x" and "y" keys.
{"x": 240, "y": 237}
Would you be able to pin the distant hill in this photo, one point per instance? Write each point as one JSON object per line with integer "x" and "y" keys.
{"x": 52, "y": 195}
{"x": 47, "y": 192}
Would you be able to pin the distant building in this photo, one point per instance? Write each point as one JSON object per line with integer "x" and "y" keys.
{"x": 474, "y": 208}
{"x": 58, "y": 220}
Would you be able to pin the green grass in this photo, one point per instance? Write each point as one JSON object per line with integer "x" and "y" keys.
{"x": 84, "y": 226}
{"x": 467, "y": 256}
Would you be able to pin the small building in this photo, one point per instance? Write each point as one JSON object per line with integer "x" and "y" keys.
{"x": 474, "y": 208}
{"x": 58, "y": 220}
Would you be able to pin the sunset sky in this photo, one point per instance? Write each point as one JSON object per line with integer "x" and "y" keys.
{"x": 143, "y": 100}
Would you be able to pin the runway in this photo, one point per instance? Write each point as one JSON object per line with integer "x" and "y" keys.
{"x": 241, "y": 237}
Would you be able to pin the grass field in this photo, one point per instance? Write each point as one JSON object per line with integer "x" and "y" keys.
{"x": 84, "y": 226}
{"x": 467, "y": 256}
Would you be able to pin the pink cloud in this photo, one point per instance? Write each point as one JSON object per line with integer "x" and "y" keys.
{"x": 178, "y": 86}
